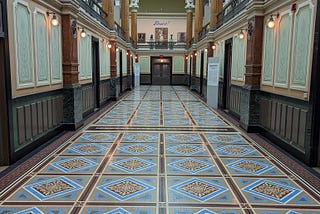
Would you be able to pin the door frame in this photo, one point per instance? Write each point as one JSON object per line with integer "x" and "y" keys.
{"x": 6, "y": 124}
{"x": 152, "y": 58}
{"x": 96, "y": 72}
{"x": 227, "y": 74}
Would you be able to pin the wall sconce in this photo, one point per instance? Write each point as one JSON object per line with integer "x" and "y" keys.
{"x": 186, "y": 57}
{"x": 127, "y": 53}
{"x": 109, "y": 45}
{"x": 136, "y": 57}
{"x": 213, "y": 46}
{"x": 54, "y": 19}
{"x": 196, "y": 54}
{"x": 83, "y": 33}
{"x": 241, "y": 34}
{"x": 272, "y": 20}
{"x": 206, "y": 50}
{"x": 131, "y": 55}
{"x": 117, "y": 49}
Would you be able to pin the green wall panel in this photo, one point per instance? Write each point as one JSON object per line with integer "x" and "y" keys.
{"x": 56, "y": 53}
{"x": 41, "y": 47}
{"x": 268, "y": 62}
{"x": 144, "y": 64}
{"x": 23, "y": 45}
{"x": 301, "y": 46}
{"x": 221, "y": 57}
{"x": 283, "y": 50}
{"x": 178, "y": 64}
{"x": 241, "y": 59}
{"x": 82, "y": 57}
{"x": 103, "y": 58}
{"x": 124, "y": 62}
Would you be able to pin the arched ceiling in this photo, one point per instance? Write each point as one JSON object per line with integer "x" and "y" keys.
{"x": 161, "y": 6}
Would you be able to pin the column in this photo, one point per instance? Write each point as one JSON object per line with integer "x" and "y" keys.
{"x": 108, "y": 8}
{"x": 189, "y": 8}
{"x": 125, "y": 18}
{"x": 134, "y": 10}
{"x": 216, "y": 8}
{"x": 72, "y": 102}
{"x": 249, "y": 110}
{"x": 198, "y": 19}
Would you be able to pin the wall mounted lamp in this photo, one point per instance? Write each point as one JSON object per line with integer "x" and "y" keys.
{"x": 54, "y": 18}
{"x": 83, "y": 33}
{"x": 272, "y": 20}
{"x": 206, "y": 50}
{"x": 241, "y": 34}
{"x": 196, "y": 54}
{"x": 109, "y": 45}
{"x": 213, "y": 46}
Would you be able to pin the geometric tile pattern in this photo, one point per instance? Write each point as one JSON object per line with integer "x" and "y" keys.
{"x": 118, "y": 211}
{"x": 250, "y": 166}
{"x": 85, "y": 149}
{"x": 137, "y": 149}
{"x": 191, "y": 165}
{"x": 272, "y": 191}
{"x": 32, "y": 210}
{"x": 199, "y": 189}
{"x": 52, "y": 188}
{"x": 186, "y": 149}
{"x": 233, "y": 150}
{"x": 205, "y": 211}
{"x": 126, "y": 188}
{"x": 73, "y": 164}
{"x": 98, "y": 137}
{"x": 132, "y": 165}
{"x": 225, "y": 139}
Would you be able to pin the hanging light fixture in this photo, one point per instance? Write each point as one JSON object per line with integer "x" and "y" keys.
{"x": 271, "y": 22}
{"x": 213, "y": 46}
{"x": 54, "y": 18}
{"x": 83, "y": 33}
{"x": 241, "y": 34}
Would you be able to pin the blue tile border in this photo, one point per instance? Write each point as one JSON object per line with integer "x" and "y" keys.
{"x": 33, "y": 210}
{"x": 118, "y": 211}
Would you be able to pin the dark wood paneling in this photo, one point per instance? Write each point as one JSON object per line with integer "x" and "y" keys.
{"x": 278, "y": 117}
{"x": 235, "y": 99}
{"x": 87, "y": 99}
{"x": 145, "y": 79}
{"x": 28, "y": 125}
{"x": 273, "y": 116}
{"x": 34, "y": 118}
{"x": 40, "y": 117}
{"x": 45, "y": 114}
{"x": 21, "y": 125}
{"x": 55, "y": 112}
{"x": 283, "y": 120}
{"x": 295, "y": 124}
{"x": 302, "y": 128}
{"x": 50, "y": 123}
{"x": 288, "y": 134}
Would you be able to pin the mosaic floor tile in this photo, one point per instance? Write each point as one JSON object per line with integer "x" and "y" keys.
{"x": 127, "y": 188}
{"x": 198, "y": 189}
{"x": 250, "y": 166}
{"x": 186, "y": 149}
{"x": 204, "y": 211}
{"x": 34, "y": 210}
{"x": 139, "y": 137}
{"x": 88, "y": 149}
{"x": 133, "y": 165}
{"x": 119, "y": 210}
{"x": 236, "y": 151}
{"x": 69, "y": 165}
{"x": 285, "y": 211}
{"x": 183, "y": 138}
{"x": 225, "y": 138}
{"x": 52, "y": 188}
{"x": 191, "y": 166}
{"x": 97, "y": 137}
{"x": 137, "y": 149}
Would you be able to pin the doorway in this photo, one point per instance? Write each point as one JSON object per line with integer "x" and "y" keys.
{"x": 227, "y": 75}
{"x": 120, "y": 71}
{"x": 161, "y": 71}
{"x": 201, "y": 72}
{"x": 95, "y": 73}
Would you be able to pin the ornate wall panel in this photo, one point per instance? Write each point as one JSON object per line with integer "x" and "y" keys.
{"x": 56, "y": 54}
{"x": 220, "y": 54}
{"x": 178, "y": 65}
{"x": 85, "y": 57}
{"x": 144, "y": 64}
{"x": 41, "y": 47}
{"x": 108, "y": 62}
{"x": 198, "y": 61}
{"x": 241, "y": 59}
{"x": 283, "y": 50}
{"x": 301, "y": 45}
{"x": 103, "y": 58}
{"x": 124, "y": 63}
{"x": 268, "y": 56}
{"x": 118, "y": 62}
{"x": 24, "y": 51}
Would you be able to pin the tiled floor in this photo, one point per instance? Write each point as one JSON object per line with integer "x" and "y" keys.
{"x": 160, "y": 150}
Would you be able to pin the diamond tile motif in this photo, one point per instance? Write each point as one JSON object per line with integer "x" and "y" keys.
{"x": 183, "y": 138}
{"x": 186, "y": 149}
{"x": 250, "y": 166}
{"x": 198, "y": 189}
{"x": 191, "y": 165}
{"x": 98, "y": 137}
{"x": 272, "y": 191}
{"x": 33, "y": 210}
{"x": 140, "y": 137}
{"x": 131, "y": 165}
{"x": 73, "y": 164}
{"x": 137, "y": 149}
{"x": 205, "y": 211}
{"x": 118, "y": 211}
{"x": 226, "y": 139}
{"x": 90, "y": 148}
{"x": 234, "y": 150}
{"x": 52, "y": 188}
{"x": 126, "y": 188}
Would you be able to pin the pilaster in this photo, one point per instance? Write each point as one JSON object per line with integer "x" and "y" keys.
{"x": 125, "y": 18}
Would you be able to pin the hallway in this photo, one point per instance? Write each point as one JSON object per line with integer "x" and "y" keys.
{"x": 160, "y": 150}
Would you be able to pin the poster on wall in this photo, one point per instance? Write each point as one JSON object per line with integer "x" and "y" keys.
{"x": 181, "y": 37}
{"x": 141, "y": 38}
{"x": 161, "y": 34}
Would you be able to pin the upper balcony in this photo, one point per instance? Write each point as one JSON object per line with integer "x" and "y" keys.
{"x": 94, "y": 8}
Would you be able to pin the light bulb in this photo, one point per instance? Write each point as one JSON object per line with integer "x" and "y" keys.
{"x": 241, "y": 35}
{"x": 54, "y": 20}
{"x": 214, "y": 47}
{"x": 271, "y": 23}
{"x": 83, "y": 33}
{"x": 109, "y": 45}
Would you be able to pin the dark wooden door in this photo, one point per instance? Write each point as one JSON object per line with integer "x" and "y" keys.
{"x": 95, "y": 72}
{"x": 161, "y": 71}
{"x": 227, "y": 74}
{"x": 201, "y": 72}
{"x": 121, "y": 71}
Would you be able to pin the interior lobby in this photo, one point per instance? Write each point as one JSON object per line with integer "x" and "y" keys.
{"x": 159, "y": 107}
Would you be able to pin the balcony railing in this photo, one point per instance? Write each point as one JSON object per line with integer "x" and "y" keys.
{"x": 153, "y": 44}
{"x": 94, "y": 8}
{"x": 231, "y": 10}
{"x": 205, "y": 30}
{"x": 120, "y": 31}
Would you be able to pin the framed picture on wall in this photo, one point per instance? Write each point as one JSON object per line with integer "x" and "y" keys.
{"x": 161, "y": 34}
{"x": 141, "y": 38}
{"x": 181, "y": 37}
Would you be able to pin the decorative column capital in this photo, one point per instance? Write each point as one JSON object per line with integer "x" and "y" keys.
{"x": 134, "y": 5}
{"x": 189, "y": 5}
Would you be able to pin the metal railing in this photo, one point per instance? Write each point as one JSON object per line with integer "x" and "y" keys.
{"x": 94, "y": 8}
{"x": 152, "y": 44}
{"x": 204, "y": 31}
{"x": 120, "y": 31}
{"x": 231, "y": 10}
